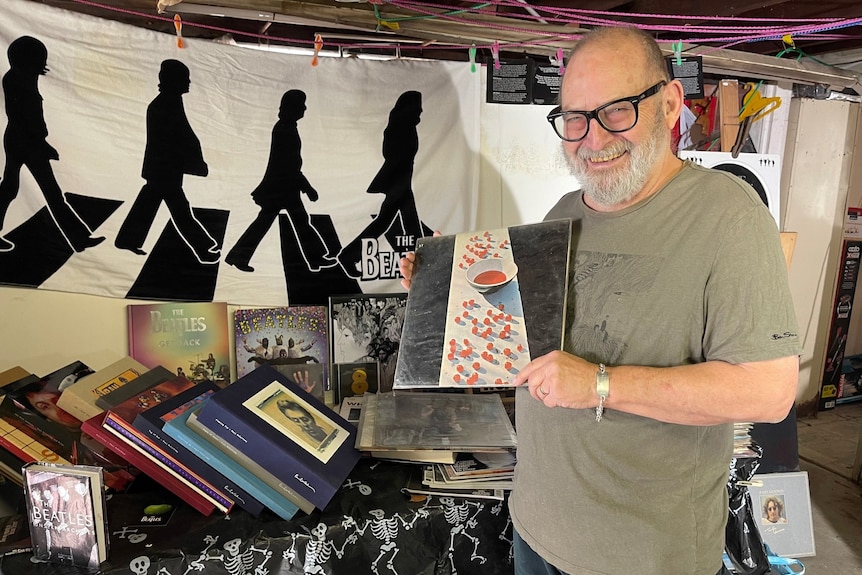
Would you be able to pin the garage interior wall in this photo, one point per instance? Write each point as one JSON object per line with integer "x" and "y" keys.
{"x": 522, "y": 175}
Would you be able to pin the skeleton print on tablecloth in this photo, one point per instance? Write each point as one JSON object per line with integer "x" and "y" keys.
{"x": 458, "y": 515}
{"x": 384, "y": 529}
{"x": 319, "y": 549}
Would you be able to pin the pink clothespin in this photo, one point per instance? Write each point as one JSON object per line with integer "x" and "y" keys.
{"x": 178, "y": 26}
{"x": 560, "y": 61}
{"x": 495, "y": 53}
{"x": 318, "y": 44}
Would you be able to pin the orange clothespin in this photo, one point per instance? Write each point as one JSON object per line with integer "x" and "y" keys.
{"x": 318, "y": 44}
{"x": 178, "y": 26}
{"x": 495, "y": 54}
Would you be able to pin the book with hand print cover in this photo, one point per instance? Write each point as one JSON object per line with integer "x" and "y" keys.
{"x": 482, "y": 304}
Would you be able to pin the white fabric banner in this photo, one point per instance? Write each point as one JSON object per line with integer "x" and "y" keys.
{"x": 103, "y": 76}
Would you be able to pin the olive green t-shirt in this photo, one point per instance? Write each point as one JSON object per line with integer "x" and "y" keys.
{"x": 693, "y": 273}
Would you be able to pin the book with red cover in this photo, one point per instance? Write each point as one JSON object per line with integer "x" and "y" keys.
{"x": 93, "y": 427}
{"x": 119, "y": 420}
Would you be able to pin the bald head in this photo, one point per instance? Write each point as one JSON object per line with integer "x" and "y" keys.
{"x": 632, "y": 45}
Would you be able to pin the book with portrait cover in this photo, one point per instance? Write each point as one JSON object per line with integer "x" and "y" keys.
{"x": 284, "y": 338}
{"x": 482, "y": 304}
{"x": 189, "y": 339}
{"x": 66, "y": 513}
{"x": 288, "y": 431}
{"x": 37, "y": 426}
{"x": 79, "y": 399}
{"x": 152, "y": 422}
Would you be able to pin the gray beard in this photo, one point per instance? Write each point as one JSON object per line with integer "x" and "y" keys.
{"x": 614, "y": 187}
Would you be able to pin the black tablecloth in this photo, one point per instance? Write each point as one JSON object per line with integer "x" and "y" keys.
{"x": 369, "y": 527}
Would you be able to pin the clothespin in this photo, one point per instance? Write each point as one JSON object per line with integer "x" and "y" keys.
{"x": 318, "y": 44}
{"x": 677, "y": 52}
{"x": 178, "y": 26}
{"x": 495, "y": 54}
{"x": 561, "y": 61}
{"x": 472, "y": 52}
{"x": 394, "y": 26}
{"x": 787, "y": 39}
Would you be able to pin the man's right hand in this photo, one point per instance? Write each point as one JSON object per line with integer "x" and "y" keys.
{"x": 405, "y": 264}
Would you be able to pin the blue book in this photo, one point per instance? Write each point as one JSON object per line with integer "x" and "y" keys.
{"x": 177, "y": 429}
{"x": 151, "y": 421}
{"x": 288, "y": 431}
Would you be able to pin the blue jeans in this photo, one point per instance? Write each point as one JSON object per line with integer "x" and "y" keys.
{"x": 528, "y": 562}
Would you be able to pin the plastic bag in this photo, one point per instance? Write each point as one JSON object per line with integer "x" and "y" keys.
{"x": 742, "y": 542}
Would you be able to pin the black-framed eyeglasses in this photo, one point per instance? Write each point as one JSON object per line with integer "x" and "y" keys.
{"x": 617, "y": 116}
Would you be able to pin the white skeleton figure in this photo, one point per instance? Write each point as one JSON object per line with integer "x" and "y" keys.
{"x": 289, "y": 554}
{"x": 234, "y": 561}
{"x": 140, "y": 565}
{"x": 238, "y": 563}
{"x": 198, "y": 564}
{"x": 457, "y": 516}
{"x": 319, "y": 549}
{"x": 385, "y": 530}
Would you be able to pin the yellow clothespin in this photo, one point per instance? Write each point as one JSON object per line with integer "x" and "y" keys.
{"x": 495, "y": 54}
{"x": 787, "y": 39}
{"x": 178, "y": 26}
{"x": 318, "y": 44}
{"x": 472, "y": 52}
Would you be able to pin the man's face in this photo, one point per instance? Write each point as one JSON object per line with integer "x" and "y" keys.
{"x": 301, "y": 418}
{"x": 613, "y": 167}
{"x": 45, "y": 403}
{"x": 773, "y": 514}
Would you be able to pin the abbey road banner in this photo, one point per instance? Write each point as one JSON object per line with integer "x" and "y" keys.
{"x": 135, "y": 168}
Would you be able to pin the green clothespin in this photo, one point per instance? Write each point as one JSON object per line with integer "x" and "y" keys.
{"x": 677, "y": 52}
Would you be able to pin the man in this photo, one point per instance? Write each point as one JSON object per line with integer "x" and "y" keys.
{"x": 172, "y": 151}
{"x": 301, "y": 417}
{"x": 680, "y": 323}
{"x": 25, "y": 143}
{"x": 281, "y": 189}
{"x": 773, "y": 510}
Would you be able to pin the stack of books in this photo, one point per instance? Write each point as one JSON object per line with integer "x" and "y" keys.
{"x": 465, "y": 442}
{"x": 262, "y": 442}
{"x": 472, "y": 475}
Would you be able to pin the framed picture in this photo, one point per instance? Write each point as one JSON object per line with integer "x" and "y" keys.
{"x": 782, "y": 504}
{"x": 297, "y": 419}
{"x": 357, "y": 378}
{"x": 367, "y": 328}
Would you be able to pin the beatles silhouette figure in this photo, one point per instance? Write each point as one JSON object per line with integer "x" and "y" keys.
{"x": 394, "y": 180}
{"x": 281, "y": 188}
{"x": 25, "y": 144}
{"x": 172, "y": 150}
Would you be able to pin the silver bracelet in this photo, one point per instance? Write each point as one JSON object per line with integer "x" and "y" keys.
{"x": 603, "y": 388}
